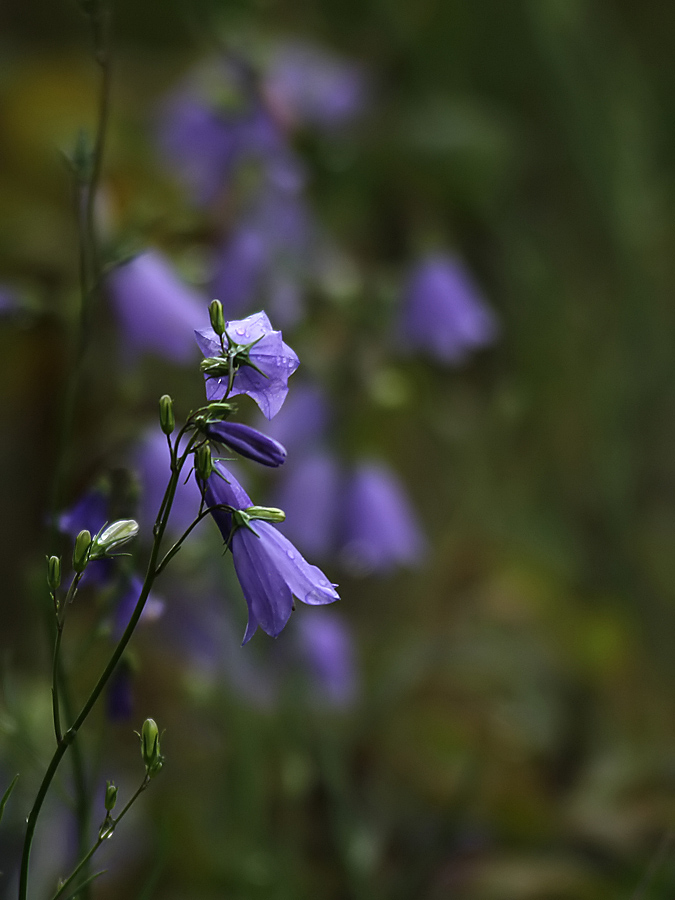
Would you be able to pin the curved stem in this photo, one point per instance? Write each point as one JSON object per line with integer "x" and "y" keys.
{"x": 70, "y": 735}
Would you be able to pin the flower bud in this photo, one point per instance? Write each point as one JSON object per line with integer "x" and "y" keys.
{"x": 217, "y": 317}
{"x": 203, "y": 461}
{"x": 152, "y": 758}
{"x": 266, "y": 513}
{"x": 113, "y": 537}
{"x": 167, "y": 420}
{"x": 53, "y": 573}
{"x": 110, "y": 796}
{"x": 81, "y": 551}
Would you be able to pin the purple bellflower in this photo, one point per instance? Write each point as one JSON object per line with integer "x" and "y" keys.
{"x": 443, "y": 311}
{"x": 247, "y": 441}
{"x": 310, "y": 495}
{"x": 327, "y": 648}
{"x": 379, "y": 527}
{"x": 304, "y": 419}
{"x": 90, "y": 512}
{"x": 269, "y": 568}
{"x": 153, "y": 609}
{"x": 272, "y": 362}
{"x": 307, "y": 86}
{"x": 157, "y": 311}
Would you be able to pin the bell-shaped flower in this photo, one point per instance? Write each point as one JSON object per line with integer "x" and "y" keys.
{"x": 246, "y": 441}
{"x": 263, "y": 362}
{"x": 443, "y": 312}
{"x": 306, "y": 85}
{"x": 157, "y": 311}
{"x": 326, "y": 646}
{"x": 310, "y": 495}
{"x": 380, "y": 529}
{"x": 269, "y": 568}
{"x": 304, "y": 419}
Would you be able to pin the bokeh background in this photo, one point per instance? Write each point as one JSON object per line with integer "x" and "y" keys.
{"x": 488, "y": 712}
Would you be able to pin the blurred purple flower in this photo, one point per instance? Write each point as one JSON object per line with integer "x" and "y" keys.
{"x": 269, "y": 568}
{"x": 119, "y": 695}
{"x": 9, "y": 301}
{"x": 267, "y": 257}
{"x": 306, "y": 85}
{"x": 151, "y": 461}
{"x": 443, "y": 311}
{"x": 379, "y": 527}
{"x": 157, "y": 311}
{"x": 304, "y": 419}
{"x": 153, "y": 609}
{"x": 90, "y": 512}
{"x": 247, "y": 441}
{"x": 327, "y": 647}
{"x": 310, "y": 495}
{"x": 275, "y": 359}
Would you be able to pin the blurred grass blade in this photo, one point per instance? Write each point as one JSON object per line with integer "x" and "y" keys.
{"x": 6, "y": 795}
{"x": 84, "y": 884}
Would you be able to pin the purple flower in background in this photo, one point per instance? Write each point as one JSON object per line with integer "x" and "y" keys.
{"x": 91, "y": 513}
{"x": 443, "y": 311}
{"x": 327, "y": 648}
{"x": 151, "y": 460}
{"x": 306, "y": 85}
{"x": 275, "y": 360}
{"x": 247, "y": 441}
{"x": 157, "y": 311}
{"x": 310, "y": 495}
{"x": 119, "y": 695}
{"x": 379, "y": 527}
{"x": 269, "y": 568}
{"x": 153, "y": 609}
{"x": 304, "y": 418}
{"x": 267, "y": 256}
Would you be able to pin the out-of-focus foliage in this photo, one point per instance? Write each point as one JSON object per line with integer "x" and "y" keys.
{"x": 510, "y": 732}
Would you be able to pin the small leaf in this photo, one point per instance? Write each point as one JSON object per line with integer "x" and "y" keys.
{"x": 5, "y": 796}
{"x": 83, "y": 884}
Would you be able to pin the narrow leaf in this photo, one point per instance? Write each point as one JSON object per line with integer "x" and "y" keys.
{"x": 5, "y": 796}
{"x": 83, "y": 884}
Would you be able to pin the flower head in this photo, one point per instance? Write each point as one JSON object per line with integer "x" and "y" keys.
{"x": 269, "y": 568}
{"x": 156, "y": 310}
{"x": 262, "y": 362}
{"x": 443, "y": 311}
{"x": 379, "y": 527}
{"x": 247, "y": 441}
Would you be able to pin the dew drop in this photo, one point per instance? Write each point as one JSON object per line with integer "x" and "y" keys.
{"x": 290, "y": 554}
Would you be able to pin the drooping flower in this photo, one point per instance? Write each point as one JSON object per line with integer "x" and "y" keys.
{"x": 326, "y": 646}
{"x": 90, "y": 513}
{"x": 273, "y": 362}
{"x": 379, "y": 527}
{"x": 304, "y": 419}
{"x": 157, "y": 311}
{"x": 306, "y": 85}
{"x": 443, "y": 312}
{"x": 247, "y": 441}
{"x": 269, "y": 568}
{"x": 310, "y": 495}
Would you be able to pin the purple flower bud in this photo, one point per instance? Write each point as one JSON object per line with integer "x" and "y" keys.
{"x": 306, "y": 85}
{"x": 247, "y": 441}
{"x": 443, "y": 311}
{"x": 156, "y": 310}
{"x": 327, "y": 647}
{"x": 269, "y": 568}
{"x": 379, "y": 527}
{"x": 310, "y": 495}
{"x": 268, "y": 353}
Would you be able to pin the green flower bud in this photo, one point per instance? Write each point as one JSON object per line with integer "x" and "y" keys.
{"x": 167, "y": 420}
{"x": 53, "y": 573}
{"x": 110, "y": 796}
{"x": 81, "y": 551}
{"x": 152, "y": 758}
{"x": 217, "y": 317}
{"x": 113, "y": 536}
{"x": 267, "y": 513}
{"x": 203, "y": 461}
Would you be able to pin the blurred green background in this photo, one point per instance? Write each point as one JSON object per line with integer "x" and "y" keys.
{"x": 514, "y": 732}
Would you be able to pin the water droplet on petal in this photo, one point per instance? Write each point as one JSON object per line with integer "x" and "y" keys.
{"x": 290, "y": 554}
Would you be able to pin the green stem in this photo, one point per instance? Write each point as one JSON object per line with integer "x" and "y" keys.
{"x": 105, "y": 833}
{"x": 70, "y": 735}
{"x": 56, "y": 712}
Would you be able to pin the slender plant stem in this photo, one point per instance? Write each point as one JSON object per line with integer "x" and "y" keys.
{"x": 70, "y": 735}
{"x": 105, "y": 833}
{"x": 56, "y": 671}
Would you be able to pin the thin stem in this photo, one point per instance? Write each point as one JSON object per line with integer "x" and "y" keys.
{"x": 70, "y": 735}
{"x": 56, "y": 712}
{"x": 106, "y": 832}
{"x": 176, "y": 547}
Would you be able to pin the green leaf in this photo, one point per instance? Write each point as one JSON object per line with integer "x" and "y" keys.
{"x": 83, "y": 884}
{"x": 6, "y": 795}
